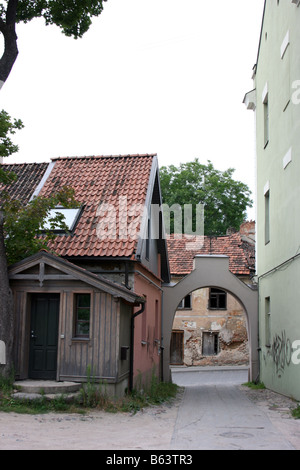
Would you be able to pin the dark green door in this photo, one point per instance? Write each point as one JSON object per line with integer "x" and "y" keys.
{"x": 44, "y": 336}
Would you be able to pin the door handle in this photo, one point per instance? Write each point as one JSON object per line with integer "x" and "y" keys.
{"x": 33, "y": 336}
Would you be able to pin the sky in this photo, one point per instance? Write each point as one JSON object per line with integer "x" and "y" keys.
{"x": 150, "y": 76}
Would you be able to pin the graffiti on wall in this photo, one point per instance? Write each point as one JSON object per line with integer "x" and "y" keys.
{"x": 281, "y": 351}
{"x": 284, "y": 352}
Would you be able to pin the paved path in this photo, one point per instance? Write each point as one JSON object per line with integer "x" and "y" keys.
{"x": 216, "y": 415}
{"x": 209, "y": 416}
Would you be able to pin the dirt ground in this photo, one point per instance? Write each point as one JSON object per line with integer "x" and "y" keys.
{"x": 150, "y": 429}
{"x": 278, "y": 409}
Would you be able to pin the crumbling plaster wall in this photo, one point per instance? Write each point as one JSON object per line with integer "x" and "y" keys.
{"x": 230, "y": 324}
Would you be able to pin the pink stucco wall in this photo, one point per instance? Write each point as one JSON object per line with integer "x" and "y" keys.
{"x": 147, "y": 332}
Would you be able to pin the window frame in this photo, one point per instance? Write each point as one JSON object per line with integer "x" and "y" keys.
{"x": 182, "y": 305}
{"x": 268, "y": 322}
{"x": 71, "y": 219}
{"x": 219, "y": 293}
{"x": 76, "y": 309}
{"x": 266, "y": 121}
{"x": 144, "y": 324}
{"x": 267, "y": 216}
{"x": 266, "y": 115}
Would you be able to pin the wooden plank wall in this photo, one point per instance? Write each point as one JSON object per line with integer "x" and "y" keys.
{"x": 100, "y": 352}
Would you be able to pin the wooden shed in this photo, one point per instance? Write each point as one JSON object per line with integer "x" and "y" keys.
{"x": 69, "y": 321}
{"x": 113, "y": 256}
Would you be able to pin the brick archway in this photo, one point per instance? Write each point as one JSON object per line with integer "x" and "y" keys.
{"x": 212, "y": 271}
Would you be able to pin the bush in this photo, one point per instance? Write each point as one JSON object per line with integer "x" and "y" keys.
{"x": 296, "y": 412}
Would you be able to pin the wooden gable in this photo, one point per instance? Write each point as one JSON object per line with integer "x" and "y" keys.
{"x": 44, "y": 267}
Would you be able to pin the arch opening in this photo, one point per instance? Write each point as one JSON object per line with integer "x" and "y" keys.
{"x": 210, "y": 328}
{"x": 212, "y": 272}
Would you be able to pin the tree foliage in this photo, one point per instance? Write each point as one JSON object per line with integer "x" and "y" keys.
{"x": 73, "y": 17}
{"x": 23, "y": 225}
{"x": 23, "y": 230}
{"x": 225, "y": 200}
{"x": 8, "y": 127}
{"x": 29, "y": 228}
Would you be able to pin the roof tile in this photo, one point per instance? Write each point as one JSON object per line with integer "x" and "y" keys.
{"x": 100, "y": 180}
{"x": 29, "y": 176}
{"x": 241, "y": 254}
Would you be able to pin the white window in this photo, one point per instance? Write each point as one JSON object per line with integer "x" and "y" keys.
{"x": 71, "y": 217}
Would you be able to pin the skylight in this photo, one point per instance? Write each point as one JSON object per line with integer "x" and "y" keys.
{"x": 71, "y": 217}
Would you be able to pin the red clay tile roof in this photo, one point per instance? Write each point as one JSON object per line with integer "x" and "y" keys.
{"x": 240, "y": 263}
{"x": 29, "y": 176}
{"x": 99, "y": 180}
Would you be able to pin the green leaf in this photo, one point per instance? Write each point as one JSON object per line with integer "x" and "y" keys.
{"x": 73, "y": 17}
{"x": 225, "y": 200}
{"x": 23, "y": 224}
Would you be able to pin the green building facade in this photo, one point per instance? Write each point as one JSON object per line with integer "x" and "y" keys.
{"x": 276, "y": 102}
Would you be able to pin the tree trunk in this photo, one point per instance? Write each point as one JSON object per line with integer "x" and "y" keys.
{"x": 8, "y": 29}
{"x": 6, "y": 310}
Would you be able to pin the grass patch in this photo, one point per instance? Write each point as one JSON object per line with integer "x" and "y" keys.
{"x": 158, "y": 393}
{"x": 6, "y": 385}
{"x": 95, "y": 396}
{"x": 37, "y": 406}
{"x": 296, "y": 412}
{"x": 255, "y": 386}
{"x": 92, "y": 396}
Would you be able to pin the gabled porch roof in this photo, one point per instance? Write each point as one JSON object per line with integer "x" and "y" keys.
{"x": 65, "y": 271}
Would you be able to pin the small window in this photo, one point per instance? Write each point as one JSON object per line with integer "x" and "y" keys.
{"x": 210, "y": 343}
{"x": 156, "y": 329}
{"x": 82, "y": 315}
{"x": 268, "y": 321}
{"x": 267, "y": 217}
{"x": 266, "y": 120}
{"x": 217, "y": 299}
{"x": 144, "y": 323}
{"x": 147, "y": 255}
{"x": 186, "y": 302}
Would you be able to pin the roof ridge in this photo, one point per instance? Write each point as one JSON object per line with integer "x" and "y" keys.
{"x": 136, "y": 155}
{"x": 24, "y": 163}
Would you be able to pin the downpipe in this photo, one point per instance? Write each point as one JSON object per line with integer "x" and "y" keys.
{"x": 139, "y": 312}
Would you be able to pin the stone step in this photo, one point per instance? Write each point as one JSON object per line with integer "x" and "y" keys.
{"x": 46, "y": 387}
